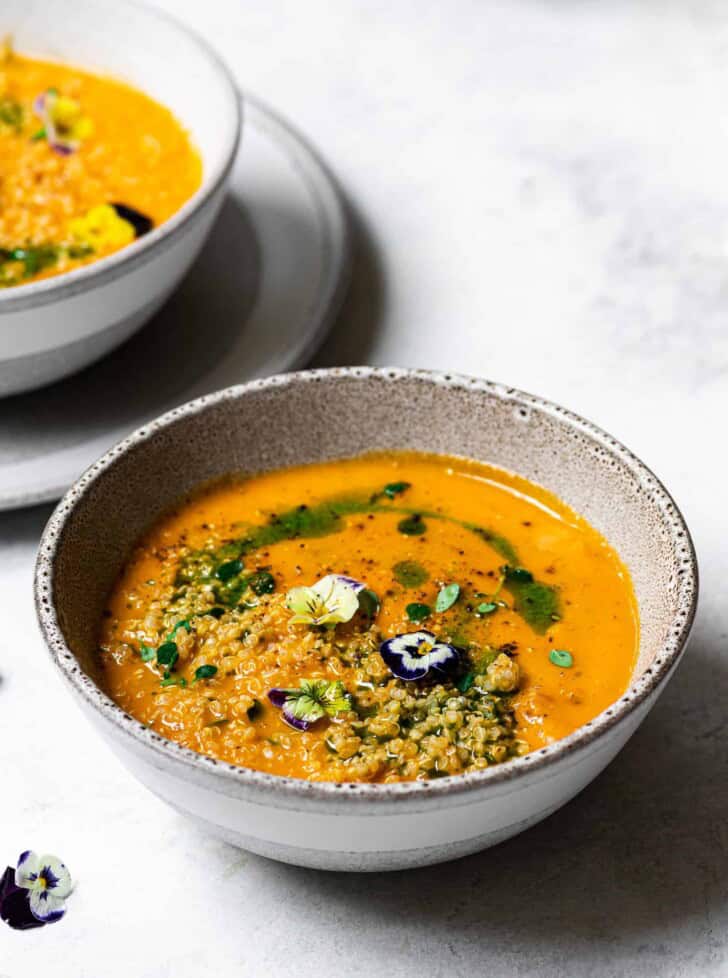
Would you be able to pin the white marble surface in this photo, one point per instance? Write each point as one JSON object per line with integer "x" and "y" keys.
{"x": 542, "y": 198}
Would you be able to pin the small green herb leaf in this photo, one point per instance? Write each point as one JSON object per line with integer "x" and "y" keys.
{"x": 519, "y": 575}
{"x": 231, "y": 568}
{"x": 146, "y": 652}
{"x": 412, "y": 526}
{"x": 174, "y": 681}
{"x": 254, "y": 710}
{"x": 262, "y": 582}
{"x": 205, "y": 672}
{"x": 486, "y": 608}
{"x": 561, "y": 658}
{"x": 417, "y": 612}
{"x": 409, "y": 573}
{"x": 368, "y": 603}
{"x": 180, "y": 624}
{"x": 393, "y": 489}
{"x": 465, "y": 682}
{"x": 167, "y": 654}
{"x": 447, "y": 597}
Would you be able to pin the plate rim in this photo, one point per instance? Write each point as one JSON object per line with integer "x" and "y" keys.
{"x": 334, "y": 219}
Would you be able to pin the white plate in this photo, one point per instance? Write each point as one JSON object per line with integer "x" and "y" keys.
{"x": 259, "y": 300}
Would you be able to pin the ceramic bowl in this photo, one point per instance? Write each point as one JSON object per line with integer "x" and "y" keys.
{"x": 317, "y": 415}
{"x": 53, "y": 327}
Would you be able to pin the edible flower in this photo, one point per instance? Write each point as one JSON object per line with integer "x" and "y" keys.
{"x": 64, "y": 125}
{"x": 35, "y": 893}
{"x": 415, "y": 654}
{"x": 331, "y": 600}
{"x": 316, "y": 698}
{"x": 101, "y": 229}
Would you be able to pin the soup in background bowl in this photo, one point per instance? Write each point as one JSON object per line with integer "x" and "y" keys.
{"x": 629, "y": 549}
{"x": 90, "y": 165}
{"x": 124, "y": 165}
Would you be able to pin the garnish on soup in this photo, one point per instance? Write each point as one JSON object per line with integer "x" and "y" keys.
{"x": 287, "y": 622}
{"x": 89, "y": 165}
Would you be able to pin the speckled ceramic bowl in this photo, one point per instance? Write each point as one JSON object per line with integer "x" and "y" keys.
{"x": 56, "y": 326}
{"x": 360, "y": 826}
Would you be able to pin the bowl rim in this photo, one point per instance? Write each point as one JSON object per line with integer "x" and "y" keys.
{"x": 456, "y": 788}
{"x": 99, "y": 273}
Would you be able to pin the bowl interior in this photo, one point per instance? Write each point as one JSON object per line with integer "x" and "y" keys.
{"x": 133, "y": 44}
{"x": 329, "y": 414}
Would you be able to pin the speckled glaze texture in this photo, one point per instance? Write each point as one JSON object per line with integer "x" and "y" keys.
{"x": 361, "y": 826}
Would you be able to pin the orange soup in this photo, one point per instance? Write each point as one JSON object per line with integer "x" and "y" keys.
{"x": 384, "y": 618}
{"x": 87, "y": 165}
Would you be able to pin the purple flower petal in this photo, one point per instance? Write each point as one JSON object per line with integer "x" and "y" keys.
{"x": 403, "y": 656}
{"x": 292, "y": 720}
{"x": 355, "y": 585}
{"x": 14, "y": 903}
{"x": 278, "y": 696}
{"x": 63, "y": 149}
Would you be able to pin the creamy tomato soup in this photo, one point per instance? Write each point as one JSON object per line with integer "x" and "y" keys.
{"x": 89, "y": 164}
{"x": 384, "y": 618}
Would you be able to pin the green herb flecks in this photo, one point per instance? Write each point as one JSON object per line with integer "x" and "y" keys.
{"x": 228, "y": 570}
{"x": 12, "y": 114}
{"x": 536, "y": 602}
{"x": 261, "y": 582}
{"x": 146, "y": 652}
{"x": 409, "y": 573}
{"x": 21, "y": 263}
{"x": 174, "y": 681}
{"x": 412, "y": 526}
{"x": 486, "y": 608}
{"x": 205, "y": 672}
{"x": 391, "y": 491}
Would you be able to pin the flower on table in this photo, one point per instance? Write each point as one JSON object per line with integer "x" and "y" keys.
{"x": 313, "y": 700}
{"x": 415, "y": 654}
{"x": 64, "y": 124}
{"x": 35, "y": 893}
{"x": 330, "y": 601}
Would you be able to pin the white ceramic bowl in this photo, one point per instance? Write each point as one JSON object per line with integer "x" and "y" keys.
{"x": 53, "y": 327}
{"x": 327, "y": 414}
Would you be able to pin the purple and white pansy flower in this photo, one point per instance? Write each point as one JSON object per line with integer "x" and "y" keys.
{"x": 415, "y": 654}
{"x": 64, "y": 124}
{"x": 330, "y": 601}
{"x": 47, "y": 882}
{"x": 313, "y": 700}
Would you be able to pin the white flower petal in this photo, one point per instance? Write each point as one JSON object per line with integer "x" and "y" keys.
{"x": 45, "y": 905}
{"x": 302, "y": 601}
{"x": 27, "y": 871}
{"x": 58, "y": 879}
{"x": 339, "y": 598}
